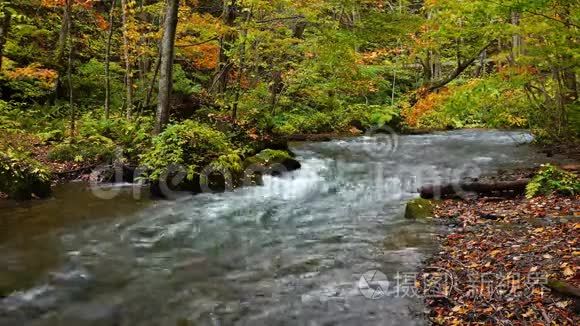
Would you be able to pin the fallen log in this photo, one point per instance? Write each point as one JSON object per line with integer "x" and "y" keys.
{"x": 570, "y": 167}
{"x": 564, "y": 288}
{"x": 480, "y": 188}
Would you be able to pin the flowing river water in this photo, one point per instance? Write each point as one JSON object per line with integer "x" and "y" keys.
{"x": 290, "y": 252}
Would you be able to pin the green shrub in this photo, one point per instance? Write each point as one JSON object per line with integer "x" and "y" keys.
{"x": 367, "y": 115}
{"x": 21, "y": 176}
{"x": 90, "y": 149}
{"x": 552, "y": 179}
{"x": 182, "y": 84}
{"x": 132, "y": 136}
{"x": 495, "y": 102}
{"x": 302, "y": 121}
{"x": 191, "y": 145}
{"x": 90, "y": 80}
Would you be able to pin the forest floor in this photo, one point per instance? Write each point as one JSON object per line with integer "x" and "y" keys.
{"x": 494, "y": 265}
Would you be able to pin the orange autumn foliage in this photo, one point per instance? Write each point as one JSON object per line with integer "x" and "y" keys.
{"x": 47, "y": 77}
{"x": 424, "y": 106}
{"x": 204, "y": 56}
{"x": 102, "y": 23}
{"x": 87, "y": 4}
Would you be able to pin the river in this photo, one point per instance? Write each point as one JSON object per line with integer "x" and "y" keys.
{"x": 290, "y": 252}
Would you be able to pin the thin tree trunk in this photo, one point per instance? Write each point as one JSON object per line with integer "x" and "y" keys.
{"x": 481, "y": 67}
{"x": 128, "y": 65}
{"x": 108, "y": 61}
{"x": 166, "y": 68}
{"x": 4, "y": 29}
{"x": 436, "y": 62}
{"x": 394, "y": 86}
{"x": 516, "y": 38}
{"x": 277, "y": 82}
{"x": 152, "y": 84}
{"x": 63, "y": 35}
{"x": 571, "y": 84}
{"x": 241, "y": 68}
{"x": 69, "y": 70}
{"x": 229, "y": 16}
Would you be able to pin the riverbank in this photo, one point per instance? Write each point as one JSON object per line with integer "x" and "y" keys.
{"x": 504, "y": 258}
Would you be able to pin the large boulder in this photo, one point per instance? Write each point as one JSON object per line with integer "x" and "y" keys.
{"x": 268, "y": 161}
{"x": 271, "y": 157}
{"x": 419, "y": 209}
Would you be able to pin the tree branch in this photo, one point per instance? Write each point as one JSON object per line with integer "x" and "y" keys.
{"x": 196, "y": 44}
{"x": 460, "y": 69}
{"x": 281, "y": 18}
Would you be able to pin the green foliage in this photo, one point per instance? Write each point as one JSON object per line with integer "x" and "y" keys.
{"x": 21, "y": 176}
{"x": 495, "y": 102}
{"x": 182, "y": 84}
{"x": 91, "y": 149}
{"x": 133, "y": 137}
{"x": 552, "y": 179}
{"x": 303, "y": 121}
{"x": 191, "y": 145}
{"x": 367, "y": 116}
{"x": 89, "y": 84}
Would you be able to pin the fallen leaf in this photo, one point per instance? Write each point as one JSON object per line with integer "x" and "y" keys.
{"x": 568, "y": 271}
{"x": 562, "y": 304}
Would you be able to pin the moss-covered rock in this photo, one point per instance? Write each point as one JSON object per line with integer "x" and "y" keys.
{"x": 191, "y": 149}
{"x": 419, "y": 208}
{"x": 268, "y": 161}
{"x": 22, "y": 177}
{"x": 269, "y": 157}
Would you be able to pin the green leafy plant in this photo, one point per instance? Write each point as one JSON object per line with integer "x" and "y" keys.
{"x": 22, "y": 176}
{"x": 91, "y": 149}
{"x": 553, "y": 179}
{"x": 191, "y": 145}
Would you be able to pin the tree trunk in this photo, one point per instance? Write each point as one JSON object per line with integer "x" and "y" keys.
{"x": 63, "y": 35}
{"x": 107, "y": 62}
{"x": 481, "y": 67}
{"x": 166, "y": 68}
{"x": 275, "y": 88}
{"x": 152, "y": 84}
{"x": 277, "y": 82}
{"x": 241, "y": 67}
{"x": 128, "y": 65}
{"x": 487, "y": 188}
{"x": 516, "y": 38}
{"x": 4, "y": 29}
{"x": 229, "y": 16}
{"x": 69, "y": 69}
{"x": 435, "y": 66}
{"x": 571, "y": 86}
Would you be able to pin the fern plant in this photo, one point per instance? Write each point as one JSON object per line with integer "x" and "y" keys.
{"x": 552, "y": 179}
